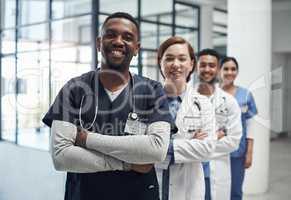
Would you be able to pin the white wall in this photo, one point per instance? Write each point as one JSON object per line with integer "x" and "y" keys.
{"x": 281, "y": 26}
{"x": 249, "y": 40}
{"x": 28, "y": 174}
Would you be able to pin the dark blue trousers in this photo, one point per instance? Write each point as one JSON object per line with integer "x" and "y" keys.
{"x": 207, "y": 189}
{"x": 237, "y": 177}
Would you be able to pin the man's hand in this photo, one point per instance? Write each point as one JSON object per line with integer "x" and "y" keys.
{"x": 142, "y": 168}
{"x": 199, "y": 135}
{"x": 205, "y": 89}
{"x": 220, "y": 134}
{"x": 81, "y": 138}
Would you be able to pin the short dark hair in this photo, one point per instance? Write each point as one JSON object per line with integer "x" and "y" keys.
{"x": 171, "y": 41}
{"x": 228, "y": 58}
{"x": 210, "y": 52}
{"x": 122, "y": 15}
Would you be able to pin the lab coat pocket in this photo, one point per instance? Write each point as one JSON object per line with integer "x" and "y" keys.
{"x": 191, "y": 125}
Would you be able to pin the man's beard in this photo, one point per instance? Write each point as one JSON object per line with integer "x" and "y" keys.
{"x": 118, "y": 67}
{"x": 212, "y": 82}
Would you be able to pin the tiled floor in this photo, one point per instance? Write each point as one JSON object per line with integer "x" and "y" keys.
{"x": 280, "y": 172}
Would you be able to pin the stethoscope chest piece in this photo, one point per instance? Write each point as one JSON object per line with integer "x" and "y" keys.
{"x": 132, "y": 116}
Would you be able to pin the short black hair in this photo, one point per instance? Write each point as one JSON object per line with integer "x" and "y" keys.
{"x": 210, "y": 52}
{"x": 228, "y": 58}
{"x": 122, "y": 15}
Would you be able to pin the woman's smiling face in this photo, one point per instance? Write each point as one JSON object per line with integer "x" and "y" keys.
{"x": 176, "y": 63}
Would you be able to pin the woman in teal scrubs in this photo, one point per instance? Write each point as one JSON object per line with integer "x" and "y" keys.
{"x": 241, "y": 159}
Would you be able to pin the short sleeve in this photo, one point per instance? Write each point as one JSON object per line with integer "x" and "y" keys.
{"x": 252, "y": 108}
{"x": 64, "y": 106}
{"x": 159, "y": 106}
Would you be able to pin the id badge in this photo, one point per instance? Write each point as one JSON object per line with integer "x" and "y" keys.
{"x": 244, "y": 109}
{"x": 133, "y": 126}
{"x": 192, "y": 124}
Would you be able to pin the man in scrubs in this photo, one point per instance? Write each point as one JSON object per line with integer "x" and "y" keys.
{"x": 109, "y": 125}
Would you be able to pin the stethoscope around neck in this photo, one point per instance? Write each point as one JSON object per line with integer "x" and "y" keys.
{"x": 133, "y": 114}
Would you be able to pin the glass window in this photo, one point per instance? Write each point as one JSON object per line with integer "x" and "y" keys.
{"x": 33, "y": 38}
{"x": 164, "y": 33}
{"x": 152, "y": 35}
{"x": 71, "y": 32}
{"x": 112, "y": 6}
{"x": 157, "y": 10}
{"x": 65, "y": 8}
{"x": 32, "y": 103}
{"x": 219, "y": 17}
{"x": 63, "y": 68}
{"x": 101, "y": 21}
{"x": 186, "y": 16}
{"x": 8, "y": 41}
{"x": 85, "y": 54}
{"x": 8, "y": 98}
{"x": 33, "y": 98}
{"x": 149, "y": 34}
{"x": 190, "y": 35}
{"x": 150, "y": 68}
{"x": 71, "y": 52}
{"x": 8, "y": 11}
{"x": 220, "y": 31}
{"x": 32, "y": 11}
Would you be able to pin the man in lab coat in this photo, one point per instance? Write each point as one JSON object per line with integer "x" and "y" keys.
{"x": 228, "y": 127}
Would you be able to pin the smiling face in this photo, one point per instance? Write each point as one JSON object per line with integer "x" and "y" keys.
{"x": 228, "y": 72}
{"x": 208, "y": 68}
{"x": 176, "y": 63}
{"x": 118, "y": 43}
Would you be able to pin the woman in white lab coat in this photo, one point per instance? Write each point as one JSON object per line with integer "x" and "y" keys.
{"x": 181, "y": 175}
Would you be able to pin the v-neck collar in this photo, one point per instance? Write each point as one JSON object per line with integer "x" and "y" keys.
{"x": 114, "y": 95}
{"x": 117, "y": 99}
{"x": 101, "y": 89}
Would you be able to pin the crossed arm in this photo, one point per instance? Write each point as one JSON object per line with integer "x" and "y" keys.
{"x": 107, "y": 153}
{"x": 230, "y": 142}
{"x": 197, "y": 150}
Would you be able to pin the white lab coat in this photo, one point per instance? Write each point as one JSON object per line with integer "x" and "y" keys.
{"x": 186, "y": 180}
{"x": 228, "y": 114}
